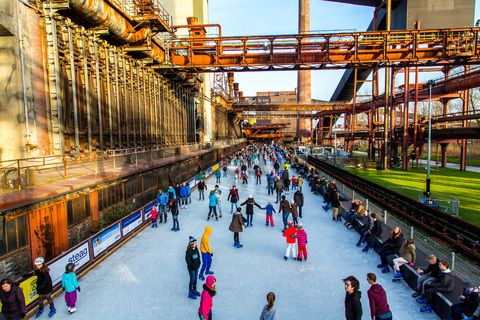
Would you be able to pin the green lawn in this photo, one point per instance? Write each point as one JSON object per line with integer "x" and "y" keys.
{"x": 454, "y": 159}
{"x": 465, "y": 186}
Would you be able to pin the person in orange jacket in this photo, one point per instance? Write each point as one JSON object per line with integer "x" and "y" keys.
{"x": 291, "y": 236}
{"x": 207, "y": 253}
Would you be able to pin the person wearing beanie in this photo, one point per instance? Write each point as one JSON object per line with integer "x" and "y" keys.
{"x": 250, "y": 202}
{"x": 269, "y": 214}
{"x": 236, "y": 226}
{"x": 206, "y": 300}
{"x": 207, "y": 253}
{"x": 192, "y": 257}
{"x": 302, "y": 242}
{"x": 290, "y": 235}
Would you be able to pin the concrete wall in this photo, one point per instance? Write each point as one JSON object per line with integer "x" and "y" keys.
{"x": 441, "y": 13}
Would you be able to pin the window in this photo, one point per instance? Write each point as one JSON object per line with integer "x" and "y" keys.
{"x": 150, "y": 180}
{"x": 78, "y": 209}
{"x": 109, "y": 196}
{"x": 133, "y": 187}
{"x": 14, "y": 234}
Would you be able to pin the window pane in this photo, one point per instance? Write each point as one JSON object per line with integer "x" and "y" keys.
{"x": 11, "y": 235}
{"x": 22, "y": 231}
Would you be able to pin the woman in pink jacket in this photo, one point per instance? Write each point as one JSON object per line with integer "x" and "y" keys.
{"x": 206, "y": 301}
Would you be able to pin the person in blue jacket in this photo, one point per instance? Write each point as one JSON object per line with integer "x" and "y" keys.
{"x": 70, "y": 285}
{"x": 184, "y": 195}
{"x": 171, "y": 192}
{"x": 162, "y": 200}
{"x": 212, "y": 204}
{"x": 269, "y": 214}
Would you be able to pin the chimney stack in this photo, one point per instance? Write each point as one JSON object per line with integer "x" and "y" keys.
{"x": 304, "y": 81}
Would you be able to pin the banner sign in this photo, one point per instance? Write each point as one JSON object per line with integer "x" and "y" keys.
{"x": 131, "y": 222}
{"x": 208, "y": 172}
{"x": 192, "y": 182}
{"x": 215, "y": 167}
{"x": 80, "y": 256}
{"x": 147, "y": 210}
{"x": 105, "y": 239}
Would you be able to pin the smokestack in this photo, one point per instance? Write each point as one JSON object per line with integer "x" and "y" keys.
{"x": 304, "y": 81}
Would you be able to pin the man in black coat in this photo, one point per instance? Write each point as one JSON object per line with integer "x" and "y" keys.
{"x": 353, "y": 305}
{"x": 250, "y": 202}
{"x": 13, "y": 301}
{"x": 192, "y": 257}
{"x": 298, "y": 198}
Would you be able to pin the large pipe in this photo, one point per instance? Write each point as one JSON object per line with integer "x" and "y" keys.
{"x": 99, "y": 12}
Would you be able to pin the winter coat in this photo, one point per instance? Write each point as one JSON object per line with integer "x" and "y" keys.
{"x": 294, "y": 210}
{"x": 394, "y": 244}
{"x": 377, "y": 228}
{"x": 153, "y": 214}
{"x": 237, "y": 223}
{"x": 218, "y": 174}
{"x": 353, "y": 306}
{"x": 213, "y": 199}
{"x": 233, "y": 195}
{"x": 69, "y": 281}
{"x": 269, "y": 314}
{"x": 445, "y": 281}
{"x": 172, "y": 194}
{"x": 286, "y": 182}
{"x": 290, "y": 235}
{"x": 184, "y": 192}
{"x": 192, "y": 257}
{"x": 44, "y": 281}
{"x": 270, "y": 179}
{"x": 300, "y": 182}
{"x": 471, "y": 300}
{"x": 206, "y": 300}
{"x": 13, "y": 303}
{"x": 410, "y": 254}
{"x": 270, "y": 209}
{"x": 334, "y": 199}
{"x": 205, "y": 242}
{"x": 218, "y": 193}
{"x": 250, "y": 202}
{"x": 162, "y": 198}
{"x": 298, "y": 197}
{"x": 377, "y": 299}
{"x": 173, "y": 204}
{"x": 284, "y": 207}
{"x": 302, "y": 237}
{"x": 279, "y": 185}
{"x": 433, "y": 269}
{"x": 201, "y": 185}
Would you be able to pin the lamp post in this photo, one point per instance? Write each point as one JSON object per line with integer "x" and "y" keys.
{"x": 335, "y": 148}
{"x": 427, "y": 189}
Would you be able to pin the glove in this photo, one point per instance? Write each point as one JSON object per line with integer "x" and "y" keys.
{"x": 211, "y": 254}
{"x": 411, "y": 264}
{"x": 78, "y": 288}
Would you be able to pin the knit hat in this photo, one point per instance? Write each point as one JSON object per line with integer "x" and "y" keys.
{"x": 39, "y": 261}
{"x": 300, "y": 225}
{"x": 191, "y": 240}
{"x": 250, "y": 196}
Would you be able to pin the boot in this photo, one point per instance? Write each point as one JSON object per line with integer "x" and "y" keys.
{"x": 192, "y": 295}
{"x": 198, "y": 294}
{"x": 427, "y": 308}
{"x": 201, "y": 277}
{"x": 39, "y": 312}
{"x": 52, "y": 312}
{"x": 239, "y": 245}
{"x": 235, "y": 244}
{"x": 386, "y": 270}
{"x": 209, "y": 272}
{"x": 285, "y": 258}
{"x": 397, "y": 275}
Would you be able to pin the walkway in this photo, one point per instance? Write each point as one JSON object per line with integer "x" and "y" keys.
{"x": 147, "y": 277}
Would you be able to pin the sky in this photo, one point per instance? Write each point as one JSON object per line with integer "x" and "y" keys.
{"x": 265, "y": 17}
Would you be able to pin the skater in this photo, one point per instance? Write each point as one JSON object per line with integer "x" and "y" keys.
{"x": 206, "y": 300}
{"x": 353, "y": 306}
{"x": 237, "y": 172}
{"x": 269, "y": 312}
{"x": 189, "y": 194}
{"x": 201, "y": 190}
{"x": 207, "y": 253}
{"x": 233, "y": 198}
{"x": 294, "y": 210}
{"x": 192, "y": 257}
{"x": 284, "y": 208}
{"x": 212, "y": 205}
{"x": 236, "y": 226}
{"x": 258, "y": 176}
{"x": 173, "y": 204}
{"x": 336, "y": 204}
{"x": 377, "y": 299}
{"x": 218, "y": 175}
{"x": 269, "y": 214}
{"x": 70, "y": 285}
{"x": 286, "y": 182}
{"x": 278, "y": 188}
{"x": 250, "y": 202}
{"x": 44, "y": 286}
{"x": 13, "y": 301}
{"x": 290, "y": 235}
{"x": 270, "y": 183}
{"x": 302, "y": 241}
{"x": 293, "y": 181}
{"x": 224, "y": 169}
{"x": 244, "y": 177}
{"x": 172, "y": 194}
{"x": 184, "y": 191}
{"x": 298, "y": 198}
{"x": 391, "y": 246}
{"x": 218, "y": 193}
{"x": 300, "y": 183}
{"x": 408, "y": 256}
{"x": 162, "y": 201}
{"x": 154, "y": 216}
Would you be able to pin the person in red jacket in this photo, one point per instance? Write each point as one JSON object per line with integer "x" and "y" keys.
{"x": 206, "y": 300}
{"x": 290, "y": 234}
{"x": 302, "y": 242}
{"x": 154, "y": 216}
{"x": 377, "y": 298}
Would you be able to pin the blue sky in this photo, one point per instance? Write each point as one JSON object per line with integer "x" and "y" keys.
{"x": 263, "y": 17}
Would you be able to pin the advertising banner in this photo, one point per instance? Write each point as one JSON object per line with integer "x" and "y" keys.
{"x": 105, "y": 239}
{"x": 208, "y": 172}
{"x": 215, "y": 167}
{"x": 80, "y": 256}
{"x": 192, "y": 183}
{"x": 147, "y": 210}
{"x": 131, "y": 222}
{"x": 29, "y": 288}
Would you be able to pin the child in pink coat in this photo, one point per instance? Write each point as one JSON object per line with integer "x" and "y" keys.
{"x": 154, "y": 216}
{"x": 206, "y": 300}
{"x": 302, "y": 242}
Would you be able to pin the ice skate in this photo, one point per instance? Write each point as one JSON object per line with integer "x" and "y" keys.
{"x": 52, "y": 312}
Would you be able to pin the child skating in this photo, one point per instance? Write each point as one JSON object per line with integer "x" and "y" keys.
{"x": 269, "y": 214}
{"x": 154, "y": 216}
{"x": 302, "y": 242}
{"x": 290, "y": 235}
{"x": 70, "y": 285}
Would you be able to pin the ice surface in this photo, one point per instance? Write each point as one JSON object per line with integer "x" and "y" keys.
{"x": 147, "y": 278}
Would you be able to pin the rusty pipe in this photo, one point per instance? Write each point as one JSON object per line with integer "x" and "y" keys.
{"x": 99, "y": 12}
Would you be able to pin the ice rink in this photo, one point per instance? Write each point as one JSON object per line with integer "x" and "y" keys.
{"x": 147, "y": 278}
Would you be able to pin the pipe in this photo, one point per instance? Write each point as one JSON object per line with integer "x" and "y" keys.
{"x": 99, "y": 12}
